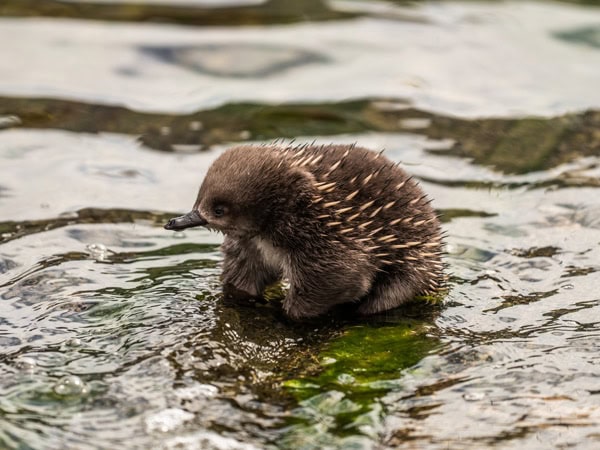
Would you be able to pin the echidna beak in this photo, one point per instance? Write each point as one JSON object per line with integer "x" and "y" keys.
{"x": 191, "y": 219}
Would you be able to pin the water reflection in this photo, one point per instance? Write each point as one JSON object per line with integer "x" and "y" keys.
{"x": 540, "y": 143}
{"x": 145, "y": 332}
{"x": 444, "y": 57}
{"x": 236, "y": 60}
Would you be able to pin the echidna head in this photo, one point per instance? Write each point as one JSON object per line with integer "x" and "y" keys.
{"x": 242, "y": 191}
{"x": 219, "y": 208}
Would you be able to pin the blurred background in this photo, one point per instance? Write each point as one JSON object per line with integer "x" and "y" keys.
{"x": 113, "y": 333}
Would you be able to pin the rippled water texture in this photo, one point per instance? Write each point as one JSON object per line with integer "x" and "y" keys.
{"x": 113, "y": 332}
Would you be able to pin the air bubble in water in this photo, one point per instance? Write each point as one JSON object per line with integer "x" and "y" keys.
{"x": 70, "y": 385}
{"x": 73, "y": 342}
{"x": 26, "y": 364}
{"x": 98, "y": 251}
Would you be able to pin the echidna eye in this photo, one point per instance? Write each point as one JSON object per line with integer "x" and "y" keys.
{"x": 219, "y": 211}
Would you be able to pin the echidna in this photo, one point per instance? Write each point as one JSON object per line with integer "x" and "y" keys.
{"x": 342, "y": 223}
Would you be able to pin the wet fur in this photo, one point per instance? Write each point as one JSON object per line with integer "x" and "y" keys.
{"x": 343, "y": 224}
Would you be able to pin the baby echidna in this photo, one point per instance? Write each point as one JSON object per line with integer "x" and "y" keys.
{"x": 342, "y": 223}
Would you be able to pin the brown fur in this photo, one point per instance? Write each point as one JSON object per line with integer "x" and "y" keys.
{"x": 341, "y": 223}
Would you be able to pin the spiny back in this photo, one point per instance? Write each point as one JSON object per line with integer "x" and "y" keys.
{"x": 363, "y": 197}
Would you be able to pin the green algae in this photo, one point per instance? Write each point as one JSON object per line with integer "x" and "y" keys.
{"x": 366, "y": 359}
{"x": 339, "y": 405}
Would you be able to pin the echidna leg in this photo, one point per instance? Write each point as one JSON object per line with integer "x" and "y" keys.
{"x": 314, "y": 291}
{"x": 244, "y": 267}
{"x": 301, "y": 306}
{"x": 386, "y": 294}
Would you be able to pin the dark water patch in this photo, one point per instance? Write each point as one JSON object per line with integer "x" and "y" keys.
{"x": 34, "y": 285}
{"x": 196, "y": 131}
{"x": 535, "y": 252}
{"x": 507, "y": 145}
{"x": 14, "y": 230}
{"x": 6, "y": 264}
{"x": 478, "y": 184}
{"x": 471, "y": 254}
{"x": 263, "y": 13}
{"x": 560, "y": 181}
{"x": 507, "y": 230}
{"x": 177, "y": 249}
{"x": 241, "y": 60}
{"x": 509, "y": 301}
{"x": 522, "y": 145}
{"x": 268, "y": 12}
{"x": 447, "y": 215}
{"x": 419, "y": 409}
{"x": 576, "y": 306}
{"x": 43, "y": 276}
{"x": 577, "y": 2}
{"x": 587, "y": 36}
{"x": 565, "y": 181}
{"x": 573, "y": 271}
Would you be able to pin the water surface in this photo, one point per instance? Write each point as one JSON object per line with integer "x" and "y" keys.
{"x": 113, "y": 332}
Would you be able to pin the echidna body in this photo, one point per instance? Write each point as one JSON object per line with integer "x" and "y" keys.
{"x": 343, "y": 224}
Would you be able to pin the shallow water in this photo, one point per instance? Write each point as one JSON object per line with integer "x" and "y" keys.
{"x": 113, "y": 332}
